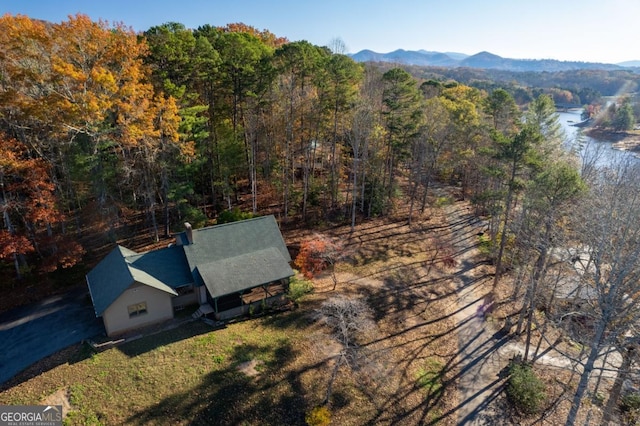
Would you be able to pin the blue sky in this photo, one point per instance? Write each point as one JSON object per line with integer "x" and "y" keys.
{"x": 582, "y": 30}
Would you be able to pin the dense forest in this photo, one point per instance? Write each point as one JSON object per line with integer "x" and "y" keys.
{"x": 185, "y": 124}
{"x": 577, "y": 87}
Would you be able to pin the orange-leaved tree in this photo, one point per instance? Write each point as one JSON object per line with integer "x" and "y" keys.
{"x": 79, "y": 95}
{"x": 318, "y": 254}
{"x": 29, "y": 211}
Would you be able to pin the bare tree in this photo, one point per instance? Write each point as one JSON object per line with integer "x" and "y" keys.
{"x": 607, "y": 229}
{"x": 549, "y": 199}
{"x": 435, "y": 134}
{"x": 350, "y": 320}
{"x": 338, "y": 46}
{"x": 358, "y": 138}
{"x": 628, "y": 348}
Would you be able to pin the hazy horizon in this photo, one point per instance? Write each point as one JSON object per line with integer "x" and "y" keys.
{"x": 586, "y": 30}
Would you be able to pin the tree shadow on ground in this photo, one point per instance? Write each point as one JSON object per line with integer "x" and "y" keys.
{"x": 409, "y": 289}
{"x": 296, "y": 318}
{"x": 153, "y": 341}
{"x": 228, "y": 396}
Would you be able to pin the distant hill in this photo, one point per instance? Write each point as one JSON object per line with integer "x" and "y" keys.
{"x": 409, "y": 57}
{"x": 629, "y": 64}
{"x": 456, "y": 56}
{"x": 482, "y": 60}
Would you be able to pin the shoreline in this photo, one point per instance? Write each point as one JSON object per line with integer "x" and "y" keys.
{"x": 623, "y": 141}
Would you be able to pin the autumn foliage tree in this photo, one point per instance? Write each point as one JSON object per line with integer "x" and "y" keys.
{"x": 29, "y": 212}
{"x": 319, "y": 254}
{"x": 83, "y": 123}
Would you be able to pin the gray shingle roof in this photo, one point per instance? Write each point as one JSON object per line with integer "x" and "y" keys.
{"x": 227, "y": 246}
{"x": 114, "y": 274}
{"x": 226, "y": 258}
{"x": 109, "y": 279}
{"x": 144, "y": 278}
{"x": 233, "y": 239}
{"x": 168, "y": 265}
{"x": 227, "y": 276}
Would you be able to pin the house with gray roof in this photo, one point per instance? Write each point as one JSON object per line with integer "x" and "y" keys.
{"x": 225, "y": 269}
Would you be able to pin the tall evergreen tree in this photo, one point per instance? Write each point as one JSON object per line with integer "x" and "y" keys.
{"x": 403, "y": 116}
{"x": 516, "y": 154}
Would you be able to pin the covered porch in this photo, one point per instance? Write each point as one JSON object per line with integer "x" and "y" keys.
{"x": 248, "y": 301}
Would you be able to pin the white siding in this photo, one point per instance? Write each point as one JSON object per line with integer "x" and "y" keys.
{"x": 202, "y": 294}
{"x": 159, "y": 308}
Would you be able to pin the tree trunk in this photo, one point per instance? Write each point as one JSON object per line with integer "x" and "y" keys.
{"x": 354, "y": 190}
{"x": 505, "y": 223}
{"x": 305, "y": 186}
{"x": 586, "y": 373}
{"x": 150, "y": 198}
{"x": 334, "y": 162}
{"x": 538, "y": 275}
{"x": 412, "y": 196}
{"x": 427, "y": 183}
{"x": 616, "y": 389}
{"x": 332, "y": 378}
{"x": 254, "y": 177}
{"x": 165, "y": 199}
{"x": 9, "y": 226}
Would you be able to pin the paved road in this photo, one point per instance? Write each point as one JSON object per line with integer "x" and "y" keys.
{"x": 30, "y": 333}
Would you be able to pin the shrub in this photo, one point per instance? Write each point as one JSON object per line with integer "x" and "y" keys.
{"x": 630, "y": 407}
{"x": 443, "y": 201}
{"x": 317, "y": 254}
{"x": 298, "y": 287}
{"x": 217, "y": 359}
{"x": 485, "y": 245}
{"x": 193, "y": 215}
{"x": 524, "y": 389}
{"x": 233, "y": 215}
{"x": 630, "y": 402}
{"x": 448, "y": 260}
{"x": 318, "y": 416}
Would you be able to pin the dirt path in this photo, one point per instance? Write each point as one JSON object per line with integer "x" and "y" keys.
{"x": 480, "y": 360}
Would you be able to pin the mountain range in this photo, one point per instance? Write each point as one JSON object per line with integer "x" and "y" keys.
{"x": 482, "y": 60}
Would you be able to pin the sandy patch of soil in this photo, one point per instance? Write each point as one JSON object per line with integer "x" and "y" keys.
{"x": 59, "y": 397}
{"x": 249, "y": 367}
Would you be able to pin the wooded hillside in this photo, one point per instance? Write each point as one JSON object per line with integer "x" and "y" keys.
{"x": 101, "y": 126}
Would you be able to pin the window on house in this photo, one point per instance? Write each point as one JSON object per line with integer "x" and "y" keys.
{"x": 137, "y": 309}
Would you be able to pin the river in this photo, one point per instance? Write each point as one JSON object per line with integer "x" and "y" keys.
{"x": 588, "y": 148}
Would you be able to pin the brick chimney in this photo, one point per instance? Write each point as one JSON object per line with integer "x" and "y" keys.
{"x": 188, "y": 232}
